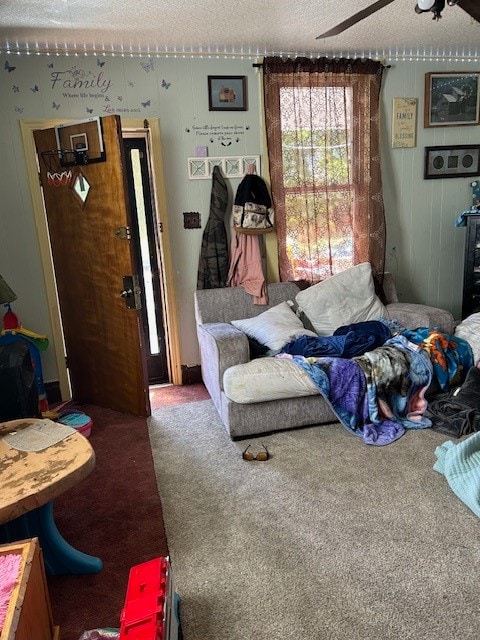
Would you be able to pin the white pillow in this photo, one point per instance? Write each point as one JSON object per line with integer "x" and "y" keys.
{"x": 469, "y": 330}
{"x": 342, "y": 299}
{"x": 274, "y": 327}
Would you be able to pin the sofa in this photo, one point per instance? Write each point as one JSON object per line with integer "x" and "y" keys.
{"x": 260, "y": 395}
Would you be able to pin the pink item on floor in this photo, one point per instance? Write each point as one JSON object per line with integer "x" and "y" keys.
{"x": 79, "y": 421}
{"x": 9, "y": 570}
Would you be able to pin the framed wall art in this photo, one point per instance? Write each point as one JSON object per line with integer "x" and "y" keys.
{"x": 227, "y": 93}
{"x": 404, "y": 123}
{"x": 451, "y": 99}
{"x": 457, "y": 161}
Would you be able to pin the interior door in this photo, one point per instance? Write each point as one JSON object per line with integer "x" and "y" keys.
{"x": 91, "y": 251}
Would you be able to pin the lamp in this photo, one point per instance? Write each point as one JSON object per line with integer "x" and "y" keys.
{"x": 435, "y": 6}
{"x": 6, "y": 294}
{"x": 425, "y": 5}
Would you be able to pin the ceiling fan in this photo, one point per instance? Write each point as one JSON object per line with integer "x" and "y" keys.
{"x": 422, "y": 6}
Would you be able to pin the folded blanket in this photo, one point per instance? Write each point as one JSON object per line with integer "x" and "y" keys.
{"x": 460, "y": 464}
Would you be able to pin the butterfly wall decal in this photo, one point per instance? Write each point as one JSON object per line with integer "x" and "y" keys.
{"x": 19, "y": 109}
{"x": 146, "y": 104}
{"x": 50, "y": 65}
{"x": 148, "y": 66}
{"x": 131, "y": 84}
{"x": 15, "y": 89}
{"x": 8, "y": 67}
{"x": 89, "y": 110}
{"x": 55, "y": 105}
{"x": 100, "y": 63}
{"x": 34, "y": 89}
{"x": 165, "y": 84}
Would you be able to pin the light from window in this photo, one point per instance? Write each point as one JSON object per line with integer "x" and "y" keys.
{"x": 317, "y": 179}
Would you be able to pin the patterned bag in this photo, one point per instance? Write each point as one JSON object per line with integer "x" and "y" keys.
{"x": 252, "y": 210}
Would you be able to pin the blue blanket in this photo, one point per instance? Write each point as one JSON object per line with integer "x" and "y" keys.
{"x": 460, "y": 464}
{"x": 347, "y": 341}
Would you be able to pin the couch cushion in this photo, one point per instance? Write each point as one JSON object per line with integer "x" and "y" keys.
{"x": 267, "y": 379}
{"x": 342, "y": 299}
{"x": 274, "y": 327}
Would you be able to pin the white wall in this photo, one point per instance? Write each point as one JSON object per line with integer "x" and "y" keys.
{"x": 424, "y": 249}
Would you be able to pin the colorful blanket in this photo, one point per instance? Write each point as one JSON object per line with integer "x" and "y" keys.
{"x": 451, "y": 356}
{"x": 378, "y": 395}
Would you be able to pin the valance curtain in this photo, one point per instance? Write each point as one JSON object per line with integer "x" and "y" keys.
{"x": 322, "y": 125}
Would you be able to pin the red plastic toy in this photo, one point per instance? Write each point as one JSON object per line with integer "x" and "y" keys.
{"x": 151, "y": 605}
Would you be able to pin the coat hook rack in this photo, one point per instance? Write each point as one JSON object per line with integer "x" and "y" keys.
{"x": 231, "y": 166}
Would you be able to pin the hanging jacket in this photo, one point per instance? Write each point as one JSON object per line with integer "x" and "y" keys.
{"x": 213, "y": 261}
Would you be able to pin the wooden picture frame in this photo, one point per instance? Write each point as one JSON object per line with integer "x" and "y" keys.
{"x": 453, "y": 161}
{"x": 227, "y": 93}
{"x": 452, "y": 99}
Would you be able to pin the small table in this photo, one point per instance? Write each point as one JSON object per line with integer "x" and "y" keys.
{"x": 29, "y": 482}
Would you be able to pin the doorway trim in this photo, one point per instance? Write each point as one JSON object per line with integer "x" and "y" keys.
{"x": 171, "y": 324}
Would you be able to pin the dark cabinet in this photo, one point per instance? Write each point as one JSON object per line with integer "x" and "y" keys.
{"x": 471, "y": 274}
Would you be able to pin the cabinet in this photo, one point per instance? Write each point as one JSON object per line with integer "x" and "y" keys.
{"x": 471, "y": 273}
{"x": 28, "y": 615}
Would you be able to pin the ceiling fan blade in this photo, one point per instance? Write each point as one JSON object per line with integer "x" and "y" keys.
{"x": 472, "y": 7}
{"x": 364, "y": 13}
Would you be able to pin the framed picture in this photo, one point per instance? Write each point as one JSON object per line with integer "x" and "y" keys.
{"x": 457, "y": 161}
{"x": 451, "y": 99}
{"x": 404, "y": 122}
{"x": 227, "y": 93}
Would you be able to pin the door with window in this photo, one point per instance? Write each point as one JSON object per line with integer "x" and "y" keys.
{"x": 91, "y": 247}
{"x": 146, "y": 246}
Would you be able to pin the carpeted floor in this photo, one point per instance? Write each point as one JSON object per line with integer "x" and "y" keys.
{"x": 115, "y": 513}
{"x": 329, "y": 539}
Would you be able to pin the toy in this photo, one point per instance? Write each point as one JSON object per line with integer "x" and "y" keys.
{"x": 78, "y": 420}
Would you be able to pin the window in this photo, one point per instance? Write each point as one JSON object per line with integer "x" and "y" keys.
{"x": 322, "y": 134}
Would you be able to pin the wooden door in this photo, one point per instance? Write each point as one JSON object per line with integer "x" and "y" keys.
{"x": 91, "y": 253}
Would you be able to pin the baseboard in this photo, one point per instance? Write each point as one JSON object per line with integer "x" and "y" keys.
{"x": 191, "y": 375}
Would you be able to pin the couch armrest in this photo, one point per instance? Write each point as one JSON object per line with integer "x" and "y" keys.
{"x": 221, "y": 346}
{"x": 412, "y": 316}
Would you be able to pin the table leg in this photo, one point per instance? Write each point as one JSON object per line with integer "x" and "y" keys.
{"x": 59, "y": 556}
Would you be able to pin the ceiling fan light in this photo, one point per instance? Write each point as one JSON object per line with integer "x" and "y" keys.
{"x": 425, "y": 5}
{"x": 452, "y": 3}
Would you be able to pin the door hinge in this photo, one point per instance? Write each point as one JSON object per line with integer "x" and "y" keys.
{"x": 123, "y": 233}
{"x": 160, "y": 227}
{"x": 40, "y": 179}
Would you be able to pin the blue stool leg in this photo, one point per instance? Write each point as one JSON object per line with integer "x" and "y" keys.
{"x": 60, "y": 558}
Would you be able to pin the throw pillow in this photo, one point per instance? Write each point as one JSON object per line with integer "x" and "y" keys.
{"x": 344, "y": 298}
{"x": 274, "y": 327}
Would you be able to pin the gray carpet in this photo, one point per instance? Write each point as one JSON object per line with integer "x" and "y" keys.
{"x": 330, "y": 539}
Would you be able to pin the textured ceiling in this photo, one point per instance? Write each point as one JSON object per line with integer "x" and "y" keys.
{"x": 234, "y": 27}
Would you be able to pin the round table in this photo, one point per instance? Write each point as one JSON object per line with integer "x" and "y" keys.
{"x": 30, "y": 481}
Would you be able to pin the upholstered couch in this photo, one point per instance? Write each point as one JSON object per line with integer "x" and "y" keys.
{"x": 269, "y": 394}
